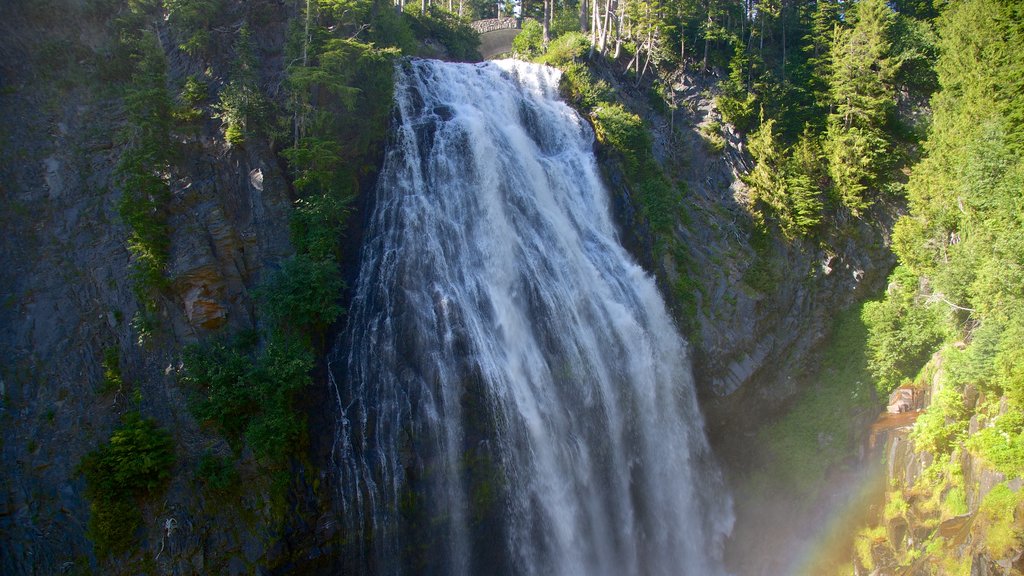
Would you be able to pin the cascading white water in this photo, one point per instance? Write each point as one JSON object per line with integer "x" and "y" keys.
{"x": 515, "y": 398}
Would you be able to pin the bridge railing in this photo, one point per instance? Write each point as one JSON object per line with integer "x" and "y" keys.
{"x": 492, "y": 24}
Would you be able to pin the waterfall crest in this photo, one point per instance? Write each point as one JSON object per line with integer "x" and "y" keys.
{"x": 514, "y": 396}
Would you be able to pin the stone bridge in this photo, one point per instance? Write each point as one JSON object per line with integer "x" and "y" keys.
{"x": 496, "y": 35}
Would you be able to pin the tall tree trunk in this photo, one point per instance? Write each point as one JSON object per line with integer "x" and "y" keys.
{"x": 299, "y": 119}
{"x": 547, "y": 21}
{"x": 707, "y": 32}
{"x": 606, "y": 25}
{"x": 619, "y": 27}
{"x": 782, "y": 14}
{"x": 584, "y": 18}
{"x": 760, "y": 48}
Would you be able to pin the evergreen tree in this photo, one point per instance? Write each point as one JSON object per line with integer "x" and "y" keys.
{"x": 862, "y": 94}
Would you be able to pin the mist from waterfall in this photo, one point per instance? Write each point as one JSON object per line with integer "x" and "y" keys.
{"x": 514, "y": 396}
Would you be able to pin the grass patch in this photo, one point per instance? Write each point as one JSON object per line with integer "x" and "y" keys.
{"x": 819, "y": 431}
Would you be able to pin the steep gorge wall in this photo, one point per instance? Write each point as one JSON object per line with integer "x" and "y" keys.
{"x": 67, "y": 294}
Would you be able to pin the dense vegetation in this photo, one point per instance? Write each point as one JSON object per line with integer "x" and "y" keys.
{"x": 961, "y": 284}
{"x": 133, "y": 465}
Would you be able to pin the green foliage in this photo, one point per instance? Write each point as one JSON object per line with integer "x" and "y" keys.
{"x": 192, "y": 20}
{"x": 342, "y": 99}
{"x": 142, "y": 170}
{"x": 193, "y": 94}
{"x": 217, "y": 474}
{"x": 302, "y": 296}
{"x": 529, "y": 43}
{"x": 564, "y": 49}
{"x": 625, "y": 133}
{"x": 318, "y": 225}
{"x": 223, "y": 376}
{"x": 111, "y": 365}
{"x": 895, "y": 505}
{"x": 943, "y": 424}
{"x": 577, "y": 85}
{"x": 736, "y": 104}
{"x": 241, "y": 105}
{"x": 818, "y": 432}
{"x": 996, "y": 517}
{"x": 459, "y": 40}
{"x": 862, "y": 90}
{"x": 135, "y": 463}
{"x": 1001, "y": 445}
{"x": 904, "y": 331}
{"x": 961, "y": 250}
{"x": 955, "y": 502}
{"x": 249, "y": 396}
{"x": 781, "y": 186}
{"x": 711, "y": 133}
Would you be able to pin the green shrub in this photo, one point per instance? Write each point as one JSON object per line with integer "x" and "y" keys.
{"x": 217, "y": 474}
{"x": 996, "y": 520}
{"x": 460, "y": 41}
{"x": 241, "y": 105}
{"x": 1002, "y": 443}
{"x": 249, "y": 396}
{"x": 529, "y": 43}
{"x": 944, "y": 423}
{"x": 191, "y": 20}
{"x": 577, "y": 85}
{"x": 711, "y": 132}
{"x": 955, "y": 502}
{"x": 318, "y": 224}
{"x": 904, "y": 331}
{"x": 135, "y": 463}
{"x": 111, "y": 365}
{"x": 142, "y": 170}
{"x": 193, "y": 94}
{"x": 225, "y": 381}
{"x": 624, "y": 132}
{"x": 895, "y": 505}
{"x": 302, "y": 295}
{"x": 565, "y": 49}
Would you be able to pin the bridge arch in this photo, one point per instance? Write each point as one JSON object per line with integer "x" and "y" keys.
{"x": 496, "y": 35}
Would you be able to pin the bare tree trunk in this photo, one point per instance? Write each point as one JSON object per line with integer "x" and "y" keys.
{"x": 783, "y": 13}
{"x": 299, "y": 118}
{"x": 547, "y": 21}
{"x": 760, "y": 48}
{"x": 584, "y": 18}
{"x": 605, "y": 28}
{"x": 620, "y": 25}
{"x": 704, "y": 66}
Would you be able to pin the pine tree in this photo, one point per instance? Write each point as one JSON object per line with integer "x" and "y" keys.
{"x": 862, "y": 95}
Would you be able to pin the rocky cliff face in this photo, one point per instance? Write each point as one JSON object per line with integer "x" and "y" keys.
{"x": 941, "y": 514}
{"x": 67, "y": 295}
{"x": 760, "y": 306}
{"x": 758, "y": 309}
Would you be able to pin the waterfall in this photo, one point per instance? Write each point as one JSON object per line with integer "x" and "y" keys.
{"x": 514, "y": 397}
